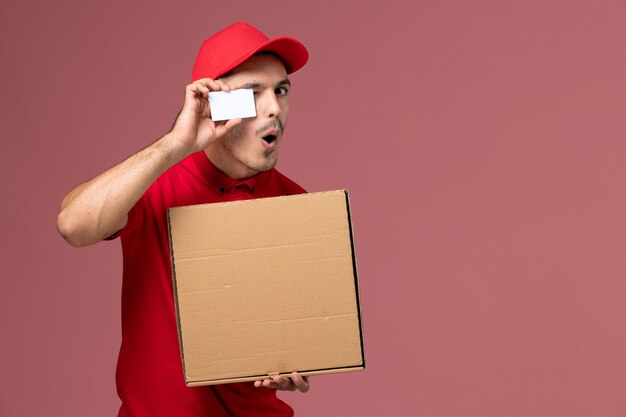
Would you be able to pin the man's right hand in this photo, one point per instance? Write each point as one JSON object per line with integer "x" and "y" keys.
{"x": 194, "y": 129}
{"x": 98, "y": 208}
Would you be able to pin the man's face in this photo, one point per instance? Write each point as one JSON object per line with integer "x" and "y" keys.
{"x": 252, "y": 146}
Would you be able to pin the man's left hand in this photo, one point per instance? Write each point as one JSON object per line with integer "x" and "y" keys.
{"x": 295, "y": 382}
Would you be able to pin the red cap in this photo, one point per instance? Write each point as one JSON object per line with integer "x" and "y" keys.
{"x": 231, "y": 46}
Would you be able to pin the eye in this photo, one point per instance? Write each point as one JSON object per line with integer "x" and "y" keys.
{"x": 281, "y": 91}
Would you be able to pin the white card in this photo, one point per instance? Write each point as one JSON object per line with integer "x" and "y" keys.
{"x": 226, "y": 105}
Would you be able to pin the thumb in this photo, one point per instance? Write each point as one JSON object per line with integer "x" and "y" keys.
{"x": 222, "y": 129}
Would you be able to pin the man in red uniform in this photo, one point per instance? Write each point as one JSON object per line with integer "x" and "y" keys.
{"x": 198, "y": 161}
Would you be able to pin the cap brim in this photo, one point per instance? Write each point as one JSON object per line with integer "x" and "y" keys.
{"x": 292, "y": 52}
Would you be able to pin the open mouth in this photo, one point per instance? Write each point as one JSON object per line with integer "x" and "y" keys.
{"x": 269, "y": 138}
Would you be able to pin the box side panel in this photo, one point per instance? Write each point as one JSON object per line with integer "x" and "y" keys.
{"x": 357, "y": 288}
{"x": 174, "y": 285}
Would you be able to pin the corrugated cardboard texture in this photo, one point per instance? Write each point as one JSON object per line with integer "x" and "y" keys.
{"x": 266, "y": 286}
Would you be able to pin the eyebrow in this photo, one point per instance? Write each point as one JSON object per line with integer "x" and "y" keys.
{"x": 256, "y": 86}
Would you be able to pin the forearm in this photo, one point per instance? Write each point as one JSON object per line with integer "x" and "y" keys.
{"x": 99, "y": 207}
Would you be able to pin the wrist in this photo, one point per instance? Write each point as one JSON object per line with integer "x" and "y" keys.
{"x": 173, "y": 148}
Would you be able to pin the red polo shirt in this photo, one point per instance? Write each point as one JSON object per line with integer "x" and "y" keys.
{"x": 149, "y": 370}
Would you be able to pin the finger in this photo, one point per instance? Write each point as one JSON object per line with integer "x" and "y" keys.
{"x": 223, "y": 85}
{"x": 232, "y": 123}
{"x": 209, "y": 83}
{"x": 268, "y": 383}
{"x": 287, "y": 384}
{"x": 200, "y": 90}
{"x": 300, "y": 382}
{"x": 196, "y": 91}
{"x": 283, "y": 383}
{"x": 258, "y": 384}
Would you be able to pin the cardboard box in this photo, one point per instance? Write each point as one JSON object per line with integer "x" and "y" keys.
{"x": 266, "y": 286}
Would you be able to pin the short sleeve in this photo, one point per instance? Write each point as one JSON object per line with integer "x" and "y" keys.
{"x": 136, "y": 217}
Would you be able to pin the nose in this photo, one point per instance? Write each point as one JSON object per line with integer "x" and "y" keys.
{"x": 271, "y": 106}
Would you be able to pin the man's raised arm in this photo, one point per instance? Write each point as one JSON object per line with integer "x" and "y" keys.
{"x": 99, "y": 207}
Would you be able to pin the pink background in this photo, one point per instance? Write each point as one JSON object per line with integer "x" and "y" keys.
{"x": 483, "y": 143}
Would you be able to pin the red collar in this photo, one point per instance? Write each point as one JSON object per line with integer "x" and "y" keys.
{"x": 221, "y": 182}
